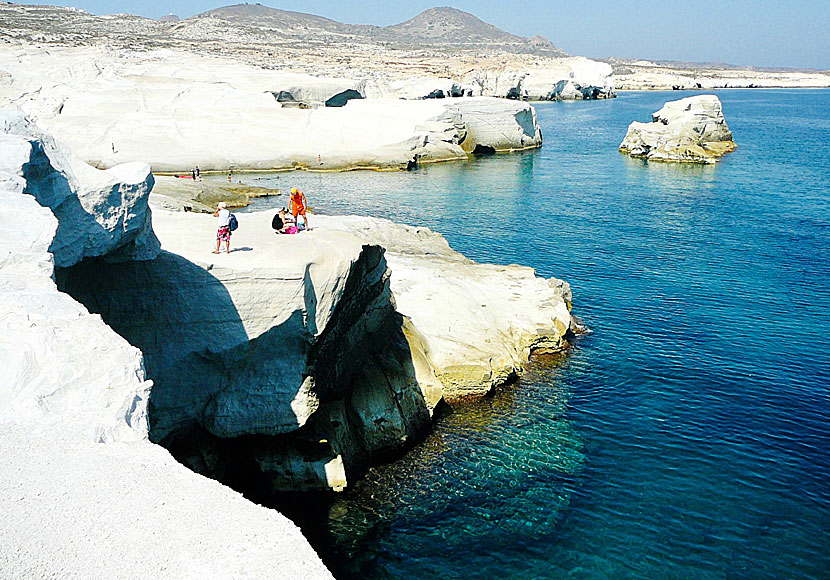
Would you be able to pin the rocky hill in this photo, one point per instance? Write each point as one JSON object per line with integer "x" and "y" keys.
{"x": 247, "y": 28}
{"x": 262, "y": 16}
{"x": 449, "y": 24}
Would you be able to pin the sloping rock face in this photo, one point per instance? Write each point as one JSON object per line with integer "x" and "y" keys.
{"x": 296, "y": 367}
{"x": 73, "y": 403}
{"x": 47, "y": 335}
{"x": 691, "y": 130}
{"x": 479, "y": 322}
{"x": 164, "y": 108}
{"x": 300, "y": 360}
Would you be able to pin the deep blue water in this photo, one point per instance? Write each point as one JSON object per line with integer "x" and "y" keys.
{"x": 689, "y": 434}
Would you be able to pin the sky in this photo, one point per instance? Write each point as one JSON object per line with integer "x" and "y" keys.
{"x": 764, "y": 33}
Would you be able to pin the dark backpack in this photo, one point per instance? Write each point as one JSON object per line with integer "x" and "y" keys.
{"x": 232, "y": 223}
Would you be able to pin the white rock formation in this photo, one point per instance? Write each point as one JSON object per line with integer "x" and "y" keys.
{"x": 479, "y": 322}
{"x": 574, "y": 78}
{"x": 47, "y": 332}
{"x": 178, "y": 110}
{"x": 85, "y": 494}
{"x": 296, "y": 339}
{"x": 421, "y": 87}
{"x": 691, "y": 130}
{"x": 315, "y": 91}
{"x": 98, "y": 211}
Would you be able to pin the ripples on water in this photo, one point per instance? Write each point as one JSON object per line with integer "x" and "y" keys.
{"x": 688, "y": 435}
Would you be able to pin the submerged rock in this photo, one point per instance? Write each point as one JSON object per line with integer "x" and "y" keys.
{"x": 691, "y": 130}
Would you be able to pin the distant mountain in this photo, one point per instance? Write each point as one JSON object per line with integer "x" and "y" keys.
{"x": 433, "y": 27}
{"x": 447, "y": 24}
{"x": 267, "y": 17}
{"x": 169, "y": 18}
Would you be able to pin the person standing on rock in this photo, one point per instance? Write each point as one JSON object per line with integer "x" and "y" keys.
{"x": 299, "y": 205}
{"x": 223, "y": 233}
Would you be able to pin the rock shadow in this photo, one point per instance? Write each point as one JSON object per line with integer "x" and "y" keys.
{"x": 282, "y": 410}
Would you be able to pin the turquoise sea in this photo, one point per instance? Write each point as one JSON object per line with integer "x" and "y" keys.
{"x": 688, "y": 435}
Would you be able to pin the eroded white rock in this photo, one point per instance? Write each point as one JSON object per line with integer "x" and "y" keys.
{"x": 690, "y": 130}
{"x": 479, "y": 322}
{"x": 574, "y": 78}
{"x": 98, "y": 212}
{"x": 86, "y": 495}
{"x": 178, "y": 110}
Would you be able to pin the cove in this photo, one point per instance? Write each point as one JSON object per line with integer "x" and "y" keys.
{"x": 687, "y": 434}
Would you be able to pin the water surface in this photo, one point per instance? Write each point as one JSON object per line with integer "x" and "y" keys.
{"x": 688, "y": 435}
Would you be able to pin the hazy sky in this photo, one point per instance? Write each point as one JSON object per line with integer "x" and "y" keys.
{"x": 775, "y": 33}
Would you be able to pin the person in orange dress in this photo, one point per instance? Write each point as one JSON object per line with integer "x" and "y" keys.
{"x": 299, "y": 205}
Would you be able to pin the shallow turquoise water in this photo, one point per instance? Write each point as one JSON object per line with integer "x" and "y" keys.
{"x": 688, "y": 434}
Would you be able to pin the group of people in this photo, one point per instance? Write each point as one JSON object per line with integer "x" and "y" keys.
{"x": 289, "y": 221}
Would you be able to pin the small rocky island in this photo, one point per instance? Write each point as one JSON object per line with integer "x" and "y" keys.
{"x": 691, "y": 130}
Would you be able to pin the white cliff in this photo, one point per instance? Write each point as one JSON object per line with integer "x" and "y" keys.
{"x": 177, "y": 110}
{"x": 329, "y": 350}
{"x": 573, "y": 78}
{"x": 479, "y": 322}
{"x": 86, "y": 495}
{"x": 690, "y": 130}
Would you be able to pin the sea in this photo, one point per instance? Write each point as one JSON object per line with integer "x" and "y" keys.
{"x": 687, "y": 435}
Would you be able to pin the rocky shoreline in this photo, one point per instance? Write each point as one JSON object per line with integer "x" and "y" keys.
{"x": 302, "y": 358}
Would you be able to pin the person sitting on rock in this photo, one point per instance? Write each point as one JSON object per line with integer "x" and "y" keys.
{"x": 280, "y": 222}
{"x": 223, "y": 233}
{"x": 298, "y": 205}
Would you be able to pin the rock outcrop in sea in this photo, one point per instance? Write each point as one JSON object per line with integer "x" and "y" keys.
{"x": 691, "y": 130}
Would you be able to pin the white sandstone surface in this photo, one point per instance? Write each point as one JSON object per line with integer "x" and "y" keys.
{"x": 129, "y": 511}
{"x": 480, "y": 322}
{"x": 572, "y": 78}
{"x": 690, "y": 130}
{"x": 177, "y": 110}
{"x": 85, "y": 494}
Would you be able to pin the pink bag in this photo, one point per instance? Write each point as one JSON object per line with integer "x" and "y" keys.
{"x": 291, "y": 230}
